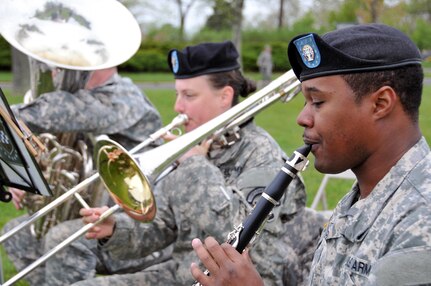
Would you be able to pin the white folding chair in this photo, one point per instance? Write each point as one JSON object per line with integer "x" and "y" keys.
{"x": 1, "y": 271}
{"x": 321, "y": 194}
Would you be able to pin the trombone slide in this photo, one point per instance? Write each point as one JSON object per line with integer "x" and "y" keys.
{"x": 60, "y": 246}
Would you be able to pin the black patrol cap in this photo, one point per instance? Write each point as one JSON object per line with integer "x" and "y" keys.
{"x": 205, "y": 58}
{"x": 358, "y": 48}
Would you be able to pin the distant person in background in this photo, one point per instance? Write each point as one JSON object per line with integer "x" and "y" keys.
{"x": 264, "y": 62}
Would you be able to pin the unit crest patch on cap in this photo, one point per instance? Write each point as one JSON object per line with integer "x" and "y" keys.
{"x": 308, "y": 50}
{"x": 353, "y": 49}
{"x": 174, "y": 62}
{"x": 202, "y": 59}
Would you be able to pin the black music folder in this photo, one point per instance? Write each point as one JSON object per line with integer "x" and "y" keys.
{"x": 18, "y": 167}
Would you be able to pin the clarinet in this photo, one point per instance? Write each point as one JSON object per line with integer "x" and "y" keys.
{"x": 250, "y": 228}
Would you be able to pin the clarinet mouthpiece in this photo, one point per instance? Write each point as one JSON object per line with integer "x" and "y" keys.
{"x": 305, "y": 149}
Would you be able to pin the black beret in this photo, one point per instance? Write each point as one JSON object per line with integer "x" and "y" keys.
{"x": 205, "y": 58}
{"x": 358, "y": 48}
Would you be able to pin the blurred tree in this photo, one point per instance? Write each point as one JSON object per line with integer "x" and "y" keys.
{"x": 370, "y": 10}
{"x": 237, "y": 9}
{"x": 227, "y": 15}
{"x": 289, "y": 11}
{"x": 346, "y": 13}
{"x": 276, "y": 14}
{"x": 222, "y": 17}
{"x": 184, "y": 7}
{"x": 396, "y": 15}
{"x": 422, "y": 35}
{"x": 281, "y": 14}
{"x": 164, "y": 11}
{"x": 165, "y": 33}
{"x": 305, "y": 24}
{"x": 421, "y": 8}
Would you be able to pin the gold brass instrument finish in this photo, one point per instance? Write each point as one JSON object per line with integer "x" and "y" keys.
{"x": 127, "y": 185}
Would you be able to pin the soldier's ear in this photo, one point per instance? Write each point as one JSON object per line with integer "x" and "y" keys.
{"x": 227, "y": 96}
{"x": 385, "y": 100}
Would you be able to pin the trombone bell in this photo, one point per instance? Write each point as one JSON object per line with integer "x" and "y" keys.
{"x": 125, "y": 182}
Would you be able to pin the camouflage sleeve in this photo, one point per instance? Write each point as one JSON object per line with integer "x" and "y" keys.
{"x": 408, "y": 249}
{"x": 202, "y": 202}
{"x": 192, "y": 201}
{"x": 134, "y": 239}
{"x": 83, "y": 111}
{"x": 302, "y": 233}
{"x": 403, "y": 267}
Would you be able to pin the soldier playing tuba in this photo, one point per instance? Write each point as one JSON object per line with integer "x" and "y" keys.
{"x": 76, "y": 94}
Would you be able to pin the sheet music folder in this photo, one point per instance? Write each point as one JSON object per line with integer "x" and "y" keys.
{"x": 18, "y": 167}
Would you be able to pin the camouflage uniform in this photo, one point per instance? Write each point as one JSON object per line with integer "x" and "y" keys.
{"x": 118, "y": 108}
{"x": 304, "y": 229}
{"x": 384, "y": 239}
{"x": 200, "y": 198}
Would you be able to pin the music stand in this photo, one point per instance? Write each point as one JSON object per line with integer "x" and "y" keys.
{"x": 18, "y": 167}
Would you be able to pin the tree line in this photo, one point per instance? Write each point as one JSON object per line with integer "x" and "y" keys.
{"x": 286, "y": 21}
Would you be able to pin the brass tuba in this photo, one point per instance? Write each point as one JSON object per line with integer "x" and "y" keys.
{"x": 73, "y": 38}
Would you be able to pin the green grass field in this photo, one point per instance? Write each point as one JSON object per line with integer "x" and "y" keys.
{"x": 279, "y": 120}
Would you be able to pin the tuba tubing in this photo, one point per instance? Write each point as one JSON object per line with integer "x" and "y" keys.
{"x": 250, "y": 228}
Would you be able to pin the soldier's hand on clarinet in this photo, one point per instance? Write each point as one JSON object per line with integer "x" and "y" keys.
{"x": 101, "y": 230}
{"x": 225, "y": 264}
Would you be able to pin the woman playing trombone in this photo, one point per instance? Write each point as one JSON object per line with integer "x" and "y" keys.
{"x": 211, "y": 190}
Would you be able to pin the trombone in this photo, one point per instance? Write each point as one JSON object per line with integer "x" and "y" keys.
{"x": 137, "y": 173}
{"x": 143, "y": 170}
